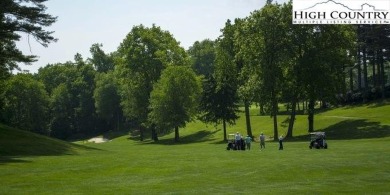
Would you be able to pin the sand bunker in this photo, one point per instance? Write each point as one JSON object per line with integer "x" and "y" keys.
{"x": 98, "y": 140}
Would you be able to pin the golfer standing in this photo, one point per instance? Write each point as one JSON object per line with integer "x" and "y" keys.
{"x": 281, "y": 142}
{"x": 262, "y": 141}
{"x": 248, "y": 141}
{"x": 238, "y": 141}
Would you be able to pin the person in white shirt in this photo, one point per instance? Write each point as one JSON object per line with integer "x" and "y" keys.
{"x": 281, "y": 142}
{"x": 238, "y": 141}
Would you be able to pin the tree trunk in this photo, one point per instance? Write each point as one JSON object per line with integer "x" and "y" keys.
{"x": 311, "y": 115}
{"x": 176, "y": 134}
{"x": 154, "y": 133}
{"x": 275, "y": 117}
{"x": 382, "y": 73}
{"x": 374, "y": 79}
{"x": 262, "y": 110}
{"x": 323, "y": 104}
{"x": 299, "y": 108}
{"x": 275, "y": 127}
{"x": 141, "y": 131}
{"x": 224, "y": 130}
{"x": 248, "y": 119}
{"x": 351, "y": 79}
{"x": 359, "y": 69}
{"x": 365, "y": 80}
{"x": 292, "y": 119}
{"x": 117, "y": 121}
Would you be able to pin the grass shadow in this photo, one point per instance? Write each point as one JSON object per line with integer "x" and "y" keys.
{"x": 16, "y": 144}
{"x": 352, "y": 129}
{"x": 198, "y": 137}
{"x": 379, "y": 103}
{"x": 9, "y": 159}
{"x": 357, "y": 129}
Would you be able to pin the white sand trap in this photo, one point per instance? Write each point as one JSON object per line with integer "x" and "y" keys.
{"x": 98, "y": 140}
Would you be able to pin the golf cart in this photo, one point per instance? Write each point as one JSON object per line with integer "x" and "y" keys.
{"x": 231, "y": 142}
{"x": 317, "y": 140}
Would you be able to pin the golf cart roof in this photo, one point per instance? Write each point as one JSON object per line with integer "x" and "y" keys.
{"x": 317, "y": 133}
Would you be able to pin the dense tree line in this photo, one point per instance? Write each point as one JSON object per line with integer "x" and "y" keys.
{"x": 153, "y": 84}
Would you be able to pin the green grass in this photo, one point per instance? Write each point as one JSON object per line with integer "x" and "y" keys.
{"x": 357, "y": 161}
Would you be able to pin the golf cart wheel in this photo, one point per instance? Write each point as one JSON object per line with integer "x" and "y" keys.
{"x": 310, "y": 147}
{"x": 326, "y": 146}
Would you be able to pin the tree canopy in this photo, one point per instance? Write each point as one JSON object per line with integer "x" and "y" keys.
{"x": 142, "y": 56}
{"x": 174, "y": 99}
{"x": 18, "y": 17}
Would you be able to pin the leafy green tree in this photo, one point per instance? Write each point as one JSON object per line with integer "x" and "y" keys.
{"x": 226, "y": 74}
{"x": 26, "y": 104}
{"x": 52, "y": 75}
{"x": 62, "y": 122}
{"x": 218, "y": 104}
{"x": 142, "y": 56}
{"x": 71, "y": 86}
{"x": 107, "y": 99}
{"x": 29, "y": 17}
{"x": 323, "y": 64}
{"x": 82, "y": 88}
{"x": 248, "y": 76}
{"x": 101, "y": 61}
{"x": 373, "y": 47}
{"x": 202, "y": 56}
{"x": 269, "y": 32}
{"x": 174, "y": 99}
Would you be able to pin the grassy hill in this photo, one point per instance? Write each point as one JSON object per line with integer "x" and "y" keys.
{"x": 16, "y": 143}
{"x": 357, "y": 161}
{"x": 351, "y": 122}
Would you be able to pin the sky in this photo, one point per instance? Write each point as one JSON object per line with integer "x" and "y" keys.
{"x": 82, "y": 23}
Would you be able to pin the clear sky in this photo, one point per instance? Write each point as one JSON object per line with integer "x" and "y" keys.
{"x": 82, "y": 23}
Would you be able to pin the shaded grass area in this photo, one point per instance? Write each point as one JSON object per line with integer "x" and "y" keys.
{"x": 358, "y": 129}
{"x": 15, "y": 143}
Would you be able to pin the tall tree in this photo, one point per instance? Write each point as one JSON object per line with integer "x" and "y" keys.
{"x": 142, "y": 56}
{"x": 218, "y": 104}
{"x": 202, "y": 56}
{"x": 26, "y": 104}
{"x": 29, "y": 17}
{"x": 323, "y": 64}
{"x": 174, "y": 99}
{"x": 83, "y": 88}
{"x": 226, "y": 73}
{"x": 270, "y": 30}
{"x": 71, "y": 86}
{"x": 107, "y": 99}
{"x": 62, "y": 108}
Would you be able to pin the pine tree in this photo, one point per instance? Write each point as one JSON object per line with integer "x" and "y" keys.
{"x": 29, "y": 17}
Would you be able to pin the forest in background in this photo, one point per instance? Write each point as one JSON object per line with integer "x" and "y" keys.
{"x": 152, "y": 84}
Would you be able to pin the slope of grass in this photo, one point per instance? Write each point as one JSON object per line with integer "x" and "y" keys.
{"x": 15, "y": 143}
{"x": 201, "y": 164}
{"x": 353, "y": 122}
